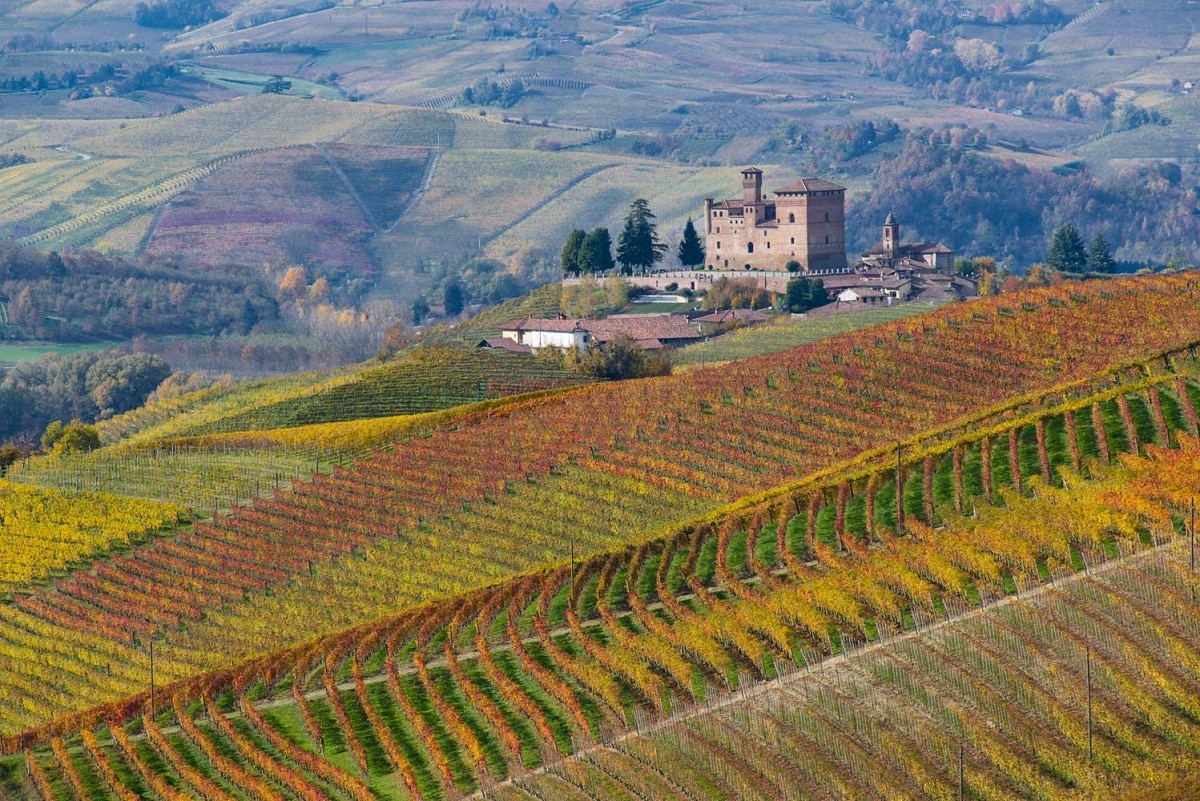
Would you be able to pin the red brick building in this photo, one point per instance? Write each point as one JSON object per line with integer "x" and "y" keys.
{"x": 806, "y": 222}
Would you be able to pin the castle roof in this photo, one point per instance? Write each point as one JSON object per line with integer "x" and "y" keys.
{"x": 752, "y": 170}
{"x": 891, "y": 219}
{"x": 806, "y": 185}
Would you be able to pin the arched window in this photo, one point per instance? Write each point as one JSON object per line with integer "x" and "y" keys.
{"x": 749, "y": 247}
{"x": 826, "y": 240}
{"x": 791, "y": 218}
{"x": 826, "y": 216}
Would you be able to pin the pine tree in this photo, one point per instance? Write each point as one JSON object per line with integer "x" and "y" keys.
{"x": 1066, "y": 252}
{"x": 1099, "y": 257}
{"x": 570, "y": 251}
{"x": 638, "y": 245}
{"x": 595, "y": 254}
{"x": 691, "y": 249}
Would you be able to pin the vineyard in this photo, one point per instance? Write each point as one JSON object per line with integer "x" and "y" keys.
{"x": 424, "y": 381}
{"x": 763, "y": 654}
{"x": 429, "y": 510}
{"x": 788, "y": 333}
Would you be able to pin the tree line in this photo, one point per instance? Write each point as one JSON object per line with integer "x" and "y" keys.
{"x": 85, "y": 296}
{"x": 638, "y": 246}
{"x": 85, "y": 387}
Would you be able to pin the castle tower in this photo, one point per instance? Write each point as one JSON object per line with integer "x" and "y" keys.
{"x": 891, "y": 234}
{"x": 752, "y": 186}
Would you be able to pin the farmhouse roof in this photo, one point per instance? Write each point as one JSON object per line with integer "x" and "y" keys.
{"x": 504, "y": 343}
{"x": 806, "y": 185}
{"x": 640, "y": 327}
{"x": 861, "y": 292}
{"x": 552, "y": 324}
{"x": 729, "y": 315}
{"x": 665, "y": 328}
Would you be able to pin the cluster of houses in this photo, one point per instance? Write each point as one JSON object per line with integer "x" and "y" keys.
{"x": 799, "y": 232}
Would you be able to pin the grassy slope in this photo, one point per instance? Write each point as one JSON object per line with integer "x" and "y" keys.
{"x": 787, "y": 333}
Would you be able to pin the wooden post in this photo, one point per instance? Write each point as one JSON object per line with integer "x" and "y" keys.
{"x": 962, "y": 784}
{"x": 1193, "y": 535}
{"x": 152, "y": 704}
{"x": 1089, "y": 701}
{"x": 899, "y": 494}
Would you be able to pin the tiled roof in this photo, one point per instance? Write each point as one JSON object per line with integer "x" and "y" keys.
{"x": 644, "y": 327}
{"x": 662, "y": 327}
{"x": 729, "y": 315}
{"x": 555, "y": 325}
{"x": 805, "y": 185}
{"x": 504, "y": 343}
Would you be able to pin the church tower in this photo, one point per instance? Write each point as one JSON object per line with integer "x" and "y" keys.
{"x": 891, "y": 235}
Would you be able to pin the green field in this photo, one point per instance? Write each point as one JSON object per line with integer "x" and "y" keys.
{"x": 11, "y": 354}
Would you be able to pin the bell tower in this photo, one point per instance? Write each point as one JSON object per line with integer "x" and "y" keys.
{"x": 752, "y": 186}
{"x": 891, "y": 234}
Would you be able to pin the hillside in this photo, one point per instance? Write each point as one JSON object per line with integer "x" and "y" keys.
{"x": 658, "y": 101}
{"x": 430, "y": 508}
{"x": 909, "y": 616}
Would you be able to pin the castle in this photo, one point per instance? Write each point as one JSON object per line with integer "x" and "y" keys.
{"x": 806, "y": 223}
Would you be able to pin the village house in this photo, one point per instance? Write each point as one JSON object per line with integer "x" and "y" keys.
{"x": 650, "y": 331}
{"x": 805, "y": 223}
{"x": 891, "y": 252}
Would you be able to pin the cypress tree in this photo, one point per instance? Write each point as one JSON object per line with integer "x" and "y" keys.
{"x": 691, "y": 249}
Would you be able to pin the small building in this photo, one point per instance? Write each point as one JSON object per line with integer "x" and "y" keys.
{"x": 891, "y": 252}
{"x": 538, "y": 333}
{"x": 650, "y": 331}
{"x": 865, "y": 294}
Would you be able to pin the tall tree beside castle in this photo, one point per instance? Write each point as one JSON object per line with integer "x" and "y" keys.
{"x": 595, "y": 253}
{"x": 691, "y": 249}
{"x": 1067, "y": 253}
{"x": 570, "y": 251}
{"x": 638, "y": 245}
{"x": 1099, "y": 257}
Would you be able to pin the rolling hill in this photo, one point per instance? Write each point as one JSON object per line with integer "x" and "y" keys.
{"x": 636, "y": 626}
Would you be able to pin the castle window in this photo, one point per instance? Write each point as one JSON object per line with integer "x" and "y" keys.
{"x": 768, "y": 246}
{"x": 791, "y": 218}
{"x": 718, "y": 244}
{"x": 826, "y": 240}
{"x": 793, "y": 240}
{"x": 749, "y": 247}
{"x": 826, "y": 216}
